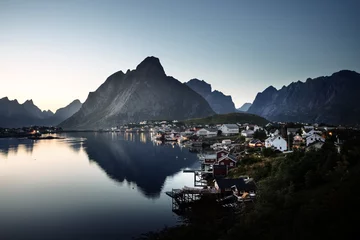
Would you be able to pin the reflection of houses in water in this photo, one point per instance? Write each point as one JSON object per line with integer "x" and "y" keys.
{"x": 143, "y": 138}
{"x": 143, "y": 164}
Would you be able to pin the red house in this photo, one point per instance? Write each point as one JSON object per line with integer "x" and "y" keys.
{"x": 220, "y": 170}
{"x": 228, "y": 160}
{"x": 221, "y": 153}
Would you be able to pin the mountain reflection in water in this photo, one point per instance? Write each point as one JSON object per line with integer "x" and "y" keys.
{"x": 134, "y": 158}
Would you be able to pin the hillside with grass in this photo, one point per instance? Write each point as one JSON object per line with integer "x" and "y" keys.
{"x": 229, "y": 118}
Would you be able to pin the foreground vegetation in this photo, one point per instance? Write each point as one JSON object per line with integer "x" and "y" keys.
{"x": 228, "y": 118}
{"x": 301, "y": 195}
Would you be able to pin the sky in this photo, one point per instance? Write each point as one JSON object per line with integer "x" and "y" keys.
{"x": 56, "y": 51}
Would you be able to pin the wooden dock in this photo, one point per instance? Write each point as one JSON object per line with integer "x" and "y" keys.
{"x": 181, "y": 198}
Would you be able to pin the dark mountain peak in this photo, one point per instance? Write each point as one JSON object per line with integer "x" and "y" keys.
{"x": 199, "y": 86}
{"x": 29, "y": 102}
{"x": 218, "y": 101}
{"x": 151, "y": 65}
{"x": 345, "y": 74}
{"x": 270, "y": 89}
{"x": 76, "y": 101}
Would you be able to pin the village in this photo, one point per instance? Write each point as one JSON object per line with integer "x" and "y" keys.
{"x": 223, "y": 147}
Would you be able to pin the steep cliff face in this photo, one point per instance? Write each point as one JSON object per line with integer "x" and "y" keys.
{"x": 145, "y": 93}
{"x": 219, "y": 102}
{"x": 333, "y": 99}
{"x": 64, "y": 113}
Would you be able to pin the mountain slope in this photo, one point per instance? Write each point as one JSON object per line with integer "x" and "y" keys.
{"x": 219, "y": 102}
{"x": 333, "y": 99}
{"x": 229, "y": 118}
{"x": 245, "y": 107}
{"x": 64, "y": 113}
{"x": 145, "y": 93}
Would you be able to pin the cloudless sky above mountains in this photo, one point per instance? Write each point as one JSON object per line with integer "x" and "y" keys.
{"x": 56, "y": 51}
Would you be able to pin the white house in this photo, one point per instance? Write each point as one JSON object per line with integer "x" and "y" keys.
{"x": 275, "y": 133}
{"x": 276, "y": 142}
{"x": 247, "y": 133}
{"x": 206, "y": 132}
{"x": 314, "y": 138}
{"x": 228, "y": 129}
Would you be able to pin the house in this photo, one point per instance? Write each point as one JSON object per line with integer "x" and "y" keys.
{"x": 239, "y": 185}
{"x": 307, "y": 133}
{"x": 226, "y": 142}
{"x": 221, "y": 153}
{"x": 220, "y": 170}
{"x": 297, "y": 141}
{"x": 247, "y": 133}
{"x": 228, "y": 129}
{"x": 210, "y": 159}
{"x": 255, "y": 143}
{"x": 276, "y": 142}
{"x": 209, "y": 132}
{"x": 314, "y": 138}
{"x": 315, "y": 146}
{"x": 274, "y": 132}
{"x": 228, "y": 160}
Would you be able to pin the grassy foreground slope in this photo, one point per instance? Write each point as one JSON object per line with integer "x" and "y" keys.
{"x": 229, "y": 118}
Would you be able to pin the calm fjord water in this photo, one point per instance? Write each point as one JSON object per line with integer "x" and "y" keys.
{"x": 89, "y": 186}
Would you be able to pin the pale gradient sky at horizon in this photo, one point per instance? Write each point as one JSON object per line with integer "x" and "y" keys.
{"x": 56, "y": 51}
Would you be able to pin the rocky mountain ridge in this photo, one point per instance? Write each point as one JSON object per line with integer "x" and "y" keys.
{"x": 219, "y": 102}
{"x": 145, "y": 93}
{"x": 329, "y": 99}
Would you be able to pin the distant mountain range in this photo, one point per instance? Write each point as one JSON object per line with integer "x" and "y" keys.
{"x": 145, "y": 93}
{"x": 333, "y": 99}
{"x": 14, "y": 114}
{"x": 219, "y": 102}
{"x": 245, "y": 107}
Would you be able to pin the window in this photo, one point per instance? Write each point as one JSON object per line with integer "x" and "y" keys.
{"x": 312, "y": 139}
{"x": 279, "y": 137}
{"x": 231, "y": 164}
{"x": 280, "y": 148}
{"x": 222, "y": 163}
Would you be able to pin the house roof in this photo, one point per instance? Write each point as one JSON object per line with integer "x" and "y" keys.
{"x": 255, "y": 141}
{"x": 240, "y": 184}
{"x": 271, "y": 139}
{"x": 314, "y": 135}
{"x": 231, "y": 126}
{"x": 248, "y": 131}
{"x": 315, "y": 144}
{"x": 229, "y": 156}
